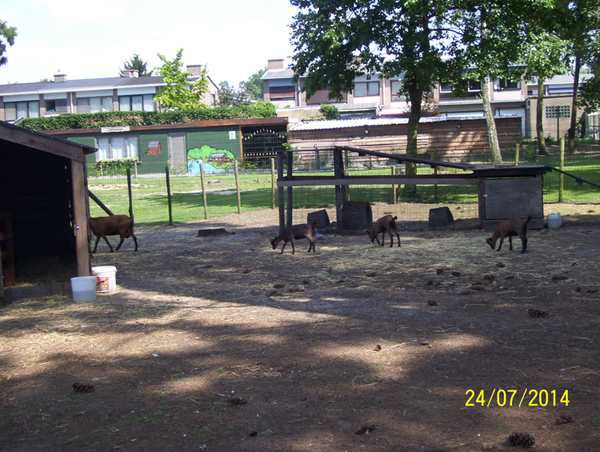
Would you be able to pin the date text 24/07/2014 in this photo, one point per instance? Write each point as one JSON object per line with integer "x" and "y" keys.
{"x": 527, "y": 397}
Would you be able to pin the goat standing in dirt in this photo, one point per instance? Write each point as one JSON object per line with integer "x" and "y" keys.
{"x": 296, "y": 232}
{"x": 510, "y": 228}
{"x": 120, "y": 225}
{"x": 381, "y": 226}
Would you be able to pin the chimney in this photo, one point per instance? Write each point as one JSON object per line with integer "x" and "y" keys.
{"x": 131, "y": 73}
{"x": 60, "y": 78}
{"x": 275, "y": 64}
{"x": 195, "y": 69}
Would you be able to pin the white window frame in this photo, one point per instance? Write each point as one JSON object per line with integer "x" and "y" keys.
{"x": 395, "y": 96}
{"x": 94, "y": 104}
{"x": 117, "y": 147}
{"x": 137, "y": 102}
{"x": 365, "y": 89}
{"x": 25, "y": 109}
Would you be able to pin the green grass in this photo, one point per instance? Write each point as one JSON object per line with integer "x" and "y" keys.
{"x": 150, "y": 200}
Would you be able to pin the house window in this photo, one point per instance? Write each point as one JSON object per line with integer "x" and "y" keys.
{"x": 473, "y": 86}
{"x": 396, "y": 87}
{"x": 94, "y": 104}
{"x": 563, "y": 111}
{"x": 16, "y": 110}
{"x": 56, "y": 106}
{"x": 282, "y": 92}
{"x": 141, "y": 102}
{"x": 505, "y": 83}
{"x": 363, "y": 89}
{"x": 117, "y": 148}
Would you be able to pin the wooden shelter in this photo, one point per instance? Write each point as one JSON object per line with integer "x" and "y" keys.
{"x": 43, "y": 206}
{"x": 505, "y": 191}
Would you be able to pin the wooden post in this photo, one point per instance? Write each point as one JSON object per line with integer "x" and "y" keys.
{"x": 561, "y": 177}
{"x": 273, "y": 183}
{"x": 393, "y": 186}
{"x": 237, "y": 186}
{"x": 435, "y": 171}
{"x": 80, "y": 229}
{"x": 338, "y": 171}
{"x": 280, "y": 192}
{"x": 170, "y": 204}
{"x": 517, "y": 152}
{"x": 203, "y": 190}
{"x": 129, "y": 191}
{"x": 290, "y": 198}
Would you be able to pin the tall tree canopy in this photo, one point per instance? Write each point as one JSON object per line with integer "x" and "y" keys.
{"x": 337, "y": 41}
{"x": 578, "y": 23}
{"x": 253, "y": 87}
{"x": 230, "y": 97}
{"x": 7, "y": 37}
{"x": 181, "y": 91}
{"x": 137, "y": 64}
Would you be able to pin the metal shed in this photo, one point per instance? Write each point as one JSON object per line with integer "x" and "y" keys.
{"x": 43, "y": 206}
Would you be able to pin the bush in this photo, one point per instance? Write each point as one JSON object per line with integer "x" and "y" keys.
{"x": 148, "y": 118}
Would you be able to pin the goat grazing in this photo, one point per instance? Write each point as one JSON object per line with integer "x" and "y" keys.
{"x": 120, "y": 225}
{"x": 381, "y": 226}
{"x": 510, "y": 228}
{"x": 297, "y": 232}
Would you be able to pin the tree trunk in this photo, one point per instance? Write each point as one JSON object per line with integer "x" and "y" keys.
{"x": 415, "y": 95}
{"x": 539, "y": 126}
{"x": 573, "y": 127}
{"x": 491, "y": 124}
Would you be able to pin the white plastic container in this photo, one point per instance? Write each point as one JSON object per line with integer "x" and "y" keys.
{"x": 84, "y": 288}
{"x": 107, "y": 281}
{"x": 554, "y": 221}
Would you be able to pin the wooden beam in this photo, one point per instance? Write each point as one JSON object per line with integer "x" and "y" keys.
{"x": 382, "y": 180}
{"x": 43, "y": 143}
{"x": 80, "y": 229}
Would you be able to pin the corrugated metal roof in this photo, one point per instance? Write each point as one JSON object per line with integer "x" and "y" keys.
{"x": 369, "y": 122}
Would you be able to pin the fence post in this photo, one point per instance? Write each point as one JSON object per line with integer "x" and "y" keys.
{"x": 170, "y": 204}
{"x": 435, "y": 171}
{"x": 517, "y": 152}
{"x": 273, "y": 183}
{"x": 393, "y": 186}
{"x": 561, "y": 177}
{"x": 203, "y": 191}
{"x": 129, "y": 192}
{"x": 237, "y": 186}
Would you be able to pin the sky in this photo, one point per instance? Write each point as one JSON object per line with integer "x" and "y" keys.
{"x": 93, "y": 39}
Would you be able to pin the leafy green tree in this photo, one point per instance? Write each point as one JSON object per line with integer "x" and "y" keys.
{"x": 181, "y": 91}
{"x": 7, "y": 37}
{"x": 578, "y": 22}
{"x": 230, "y": 97}
{"x": 254, "y": 85}
{"x": 546, "y": 56}
{"x": 337, "y": 41}
{"x": 136, "y": 63}
{"x": 489, "y": 39}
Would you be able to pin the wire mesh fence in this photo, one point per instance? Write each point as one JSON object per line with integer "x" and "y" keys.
{"x": 168, "y": 196}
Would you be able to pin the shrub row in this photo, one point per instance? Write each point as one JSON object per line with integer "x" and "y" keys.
{"x": 148, "y": 118}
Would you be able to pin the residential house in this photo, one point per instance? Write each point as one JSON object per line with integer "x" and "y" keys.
{"x": 375, "y": 97}
{"x": 61, "y": 96}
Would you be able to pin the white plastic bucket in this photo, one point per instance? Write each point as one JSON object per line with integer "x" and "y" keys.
{"x": 554, "y": 221}
{"x": 84, "y": 288}
{"x": 107, "y": 281}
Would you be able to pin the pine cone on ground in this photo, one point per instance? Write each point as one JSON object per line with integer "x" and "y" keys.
{"x": 83, "y": 387}
{"x": 564, "y": 419}
{"x": 236, "y": 401}
{"x": 521, "y": 439}
{"x": 536, "y": 313}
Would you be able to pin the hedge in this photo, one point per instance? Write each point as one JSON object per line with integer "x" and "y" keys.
{"x": 148, "y": 118}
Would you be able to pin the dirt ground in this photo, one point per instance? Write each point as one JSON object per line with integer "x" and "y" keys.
{"x": 221, "y": 343}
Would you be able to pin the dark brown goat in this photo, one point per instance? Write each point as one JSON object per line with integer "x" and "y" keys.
{"x": 510, "y": 228}
{"x": 296, "y": 232}
{"x": 381, "y": 226}
{"x": 120, "y": 225}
